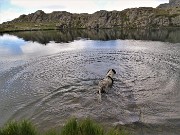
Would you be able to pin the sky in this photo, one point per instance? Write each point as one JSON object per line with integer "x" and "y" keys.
{"x": 10, "y": 9}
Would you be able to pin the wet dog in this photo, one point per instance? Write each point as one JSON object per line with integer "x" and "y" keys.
{"x": 107, "y": 82}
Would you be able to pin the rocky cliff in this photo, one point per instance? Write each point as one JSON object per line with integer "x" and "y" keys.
{"x": 171, "y": 4}
{"x": 143, "y": 17}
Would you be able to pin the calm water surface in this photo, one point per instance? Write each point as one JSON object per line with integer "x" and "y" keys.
{"x": 49, "y": 76}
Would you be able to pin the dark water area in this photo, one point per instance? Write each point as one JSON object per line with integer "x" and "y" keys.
{"x": 50, "y": 76}
{"x": 165, "y": 35}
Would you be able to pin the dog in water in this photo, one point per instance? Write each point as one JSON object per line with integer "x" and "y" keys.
{"x": 107, "y": 82}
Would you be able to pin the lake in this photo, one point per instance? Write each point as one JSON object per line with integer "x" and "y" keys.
{"x": 50, "y": 76}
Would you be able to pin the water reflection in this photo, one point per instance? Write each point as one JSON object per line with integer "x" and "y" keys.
{"x": 11, "y": 45}
{"x": 44, "y": 37}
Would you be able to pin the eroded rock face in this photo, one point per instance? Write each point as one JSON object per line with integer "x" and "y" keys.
{"x": 176, "y": 21}
{"x": 129, "y": 18}
{"x": 174, "y": 3}
{"x": 171, "y": 4}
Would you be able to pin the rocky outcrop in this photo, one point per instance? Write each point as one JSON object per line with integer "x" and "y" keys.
{"x": 144, "y": 17}
{"x": 171, "y": 4}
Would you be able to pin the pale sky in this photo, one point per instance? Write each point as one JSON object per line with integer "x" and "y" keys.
{"x": 10, "y": 9}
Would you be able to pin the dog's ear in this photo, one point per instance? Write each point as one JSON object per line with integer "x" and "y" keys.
{"x": 114, "y": 71}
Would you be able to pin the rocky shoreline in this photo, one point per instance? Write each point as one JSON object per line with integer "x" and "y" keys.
{"x": 134, "y": 18}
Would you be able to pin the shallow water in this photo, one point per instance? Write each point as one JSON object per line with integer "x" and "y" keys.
{"x": 48, "y": 83}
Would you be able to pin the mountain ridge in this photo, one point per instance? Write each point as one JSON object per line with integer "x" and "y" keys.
{"x": 171, "y": 4}
{"x": 132, "y": 18}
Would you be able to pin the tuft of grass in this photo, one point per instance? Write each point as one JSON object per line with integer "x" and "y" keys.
{"x": 89, "y": 127}
{"x": 52, "y": 132}
{"x": 117, "y": 132}
{"x": 83, "y": 127}
{"x": 72, "y": 127}
{"x": 22, "y": 128}
{"x": 11, "y": 128}
{"x": 26, "y": 128}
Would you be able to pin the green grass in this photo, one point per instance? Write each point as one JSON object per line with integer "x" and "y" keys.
{"x": 18, "y": 128}
{"x": 27, "y": 26}
{"x": 72, "y": 127}
{"x": 117, "y": 132}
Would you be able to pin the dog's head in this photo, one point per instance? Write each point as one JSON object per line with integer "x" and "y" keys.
{"x": 111, "y": 70}
{"x": 111, "y": 73}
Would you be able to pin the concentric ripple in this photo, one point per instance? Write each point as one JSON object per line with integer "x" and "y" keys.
{"x": 50, "y": 89}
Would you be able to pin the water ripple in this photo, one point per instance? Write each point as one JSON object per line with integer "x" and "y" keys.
{"x": 51, "y": 89}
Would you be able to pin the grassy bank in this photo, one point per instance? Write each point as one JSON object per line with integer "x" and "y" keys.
{"x": 26, "y": 27}
{"x": 72, "y": 127}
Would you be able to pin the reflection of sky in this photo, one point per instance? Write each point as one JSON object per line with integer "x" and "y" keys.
{"x": 13, "y": 46}
{"x": 94, "y": 44}
{"x": 10, "y": 45}
{"x": 104, "y": 44}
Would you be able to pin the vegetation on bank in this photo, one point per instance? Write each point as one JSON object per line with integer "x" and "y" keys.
{"x": 27, "y": 26}
{"x": 72, "y": 127}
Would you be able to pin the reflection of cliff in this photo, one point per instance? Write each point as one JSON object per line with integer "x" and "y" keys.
{"x": 45, "y": 37}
